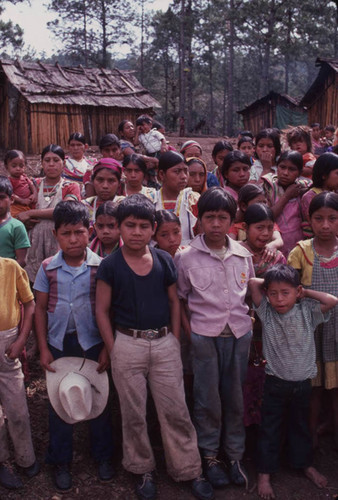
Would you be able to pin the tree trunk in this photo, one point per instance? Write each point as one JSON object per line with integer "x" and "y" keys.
{"x": 181, "y": 52}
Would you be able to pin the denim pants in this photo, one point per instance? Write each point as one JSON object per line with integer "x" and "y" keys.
{"x": 220, "y": 366}
{"x": 60, "y": 450}
{"x": 284, "y": 402}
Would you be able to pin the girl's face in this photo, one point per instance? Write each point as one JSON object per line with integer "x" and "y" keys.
{"x": 324, "y": 222}
{"x": 175, "y": 178}
{"x": 266, "y": 146}
{"x": 112, "y": 151}
{"x": 16, "y": 167}
{"x": 237, "y": 175}
{"x": 196, "y": 177}
{"x": 287, "y": 173}
{"x": 247, "y": 148}
{"x": 218, "y": 159}
{"x": 193, "y": 152}
{"x": 134, "y": 176}
{"x": 259, "y": 234}
{"x": 107, "y": 230}
{"x": 299, "y": 146}
{"x": 105, "y": 184}
{"x": 168, "y": 237}
{"x": 331, "y": 181}
{"x": 52, "y": 166}
{"x": 259, "y": 199}
{"x": 77, "y": 149}
{"x": 128, "y": 131}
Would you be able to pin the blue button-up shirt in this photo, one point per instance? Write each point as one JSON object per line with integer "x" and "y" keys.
{"x": 70, "y": 294}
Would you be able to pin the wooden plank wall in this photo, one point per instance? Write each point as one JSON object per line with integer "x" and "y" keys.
{"x": 325, "y": 108}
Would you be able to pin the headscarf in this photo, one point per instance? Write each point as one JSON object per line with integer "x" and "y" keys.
{"x": 110, "y": 164}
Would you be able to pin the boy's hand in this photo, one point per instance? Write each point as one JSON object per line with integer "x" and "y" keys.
{"x": 268, "y": 255}
{"x": 293, "y": 191}
{"x": 104, "y": 361}
{"x": 46, "y": 358}
{"x": 14, "y": 350}
{"x": 301, "y": 292}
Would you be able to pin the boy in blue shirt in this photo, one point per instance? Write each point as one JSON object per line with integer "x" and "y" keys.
{"x": 137, "y": 286}
{"x": 289, "y": 350}
{"x": 65, "y": 326}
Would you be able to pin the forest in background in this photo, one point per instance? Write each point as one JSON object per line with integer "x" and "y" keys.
{"x": 201, "y": 59}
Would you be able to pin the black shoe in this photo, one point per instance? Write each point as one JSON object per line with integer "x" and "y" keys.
{"x": 146, "y": 487}
{"x": 9, "y": 479}
{"x": 215, "y": 472}
{"x": 62, "y": 477}
{"x": 106, "y": 470}
{"x": 238, "y": 474}
{"x": 32, "y": 470}
{"x": 202, "y": 489}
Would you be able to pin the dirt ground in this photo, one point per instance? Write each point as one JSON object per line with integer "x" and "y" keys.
{"x": 288, "y": 484}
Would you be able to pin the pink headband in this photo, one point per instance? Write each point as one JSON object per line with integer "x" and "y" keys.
{"x": 110, "y": 164}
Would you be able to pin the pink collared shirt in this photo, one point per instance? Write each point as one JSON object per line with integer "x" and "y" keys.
{"x": 215, "y": 289}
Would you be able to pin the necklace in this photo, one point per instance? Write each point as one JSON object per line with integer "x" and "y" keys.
{"x": 50, "y": 192}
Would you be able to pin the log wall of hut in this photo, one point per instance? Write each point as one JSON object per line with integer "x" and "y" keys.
{"x": 325, "y": 109}
{"x": 260, "y": 118}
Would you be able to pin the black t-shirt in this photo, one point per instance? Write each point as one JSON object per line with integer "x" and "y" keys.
{"x": 139, "y": 302}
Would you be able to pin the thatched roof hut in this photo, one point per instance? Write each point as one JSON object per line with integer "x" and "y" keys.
{"x": 273, "y": 110}
{"x": 42, "y": 103}
{"x": 321, "y": 99}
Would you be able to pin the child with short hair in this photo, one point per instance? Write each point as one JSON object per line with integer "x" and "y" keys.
{"x": 150, "y": 138}
{"x": 24, "y": 192}
{"x": 267, "y": 151}
{"x": 235, "y": 172}
{"x": 246, "y": 145}
{"x": 16, "y": 296}
{"x": 107, "y": 239}
{"x": 147, "y": 349}
{"x": 14, "y": 241}
{"x": 289, "y": 350}
{"x": 168, "y": 234}
{"x": 213, "y": 272}
{"x": 299, "y": 139}
{"x": 66, "y": 326}
{"x": 77, "y": 166}
{"x": 220, "y": 150}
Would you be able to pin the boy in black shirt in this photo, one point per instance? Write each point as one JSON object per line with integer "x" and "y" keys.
{"x": 138, "y": 284}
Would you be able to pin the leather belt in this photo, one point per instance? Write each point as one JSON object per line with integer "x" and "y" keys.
{"x": 150, "y": 334}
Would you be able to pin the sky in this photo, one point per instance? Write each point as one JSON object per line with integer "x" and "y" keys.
{"x": 33, "y": 20}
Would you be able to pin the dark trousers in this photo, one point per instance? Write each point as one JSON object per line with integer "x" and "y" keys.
{"x": 60, "y": 450}
{"x": 287, "y": 403}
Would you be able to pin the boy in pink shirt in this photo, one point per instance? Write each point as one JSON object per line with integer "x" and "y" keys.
{"x": 213, "y": 273}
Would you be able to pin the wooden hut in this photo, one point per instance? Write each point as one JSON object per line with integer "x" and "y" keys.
{"x": 42, "y": 104}
{"x": 321, "y": 99}
{"x": 273, "y": 110}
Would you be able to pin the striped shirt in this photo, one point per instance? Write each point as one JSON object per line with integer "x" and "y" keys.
{"x": 288, "y": 339}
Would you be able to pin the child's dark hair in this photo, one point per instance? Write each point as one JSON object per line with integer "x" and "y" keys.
{"x": 143, "y": 119}
{"x": 293, "y": 156}
{"x": 324, "y": 164}
{"x": 12, "y": 154}
{"x": 244, "y": 138}
{"x": 137, "y": 160}
{"x": 107, "y": 208}
{"x": 109, "y": 140}
{"x": 53, "y": 148}
{"x": 6, "y": 186}
{"x": 330, "y": 128}
{"x": 270, "y": 133}
{"x": 232, "y": 158}
{"x": 315, "y": 124}
{"x": 281, "y": 273}
{"x": 215, "y": 199}
{"x": 257, "y": 212}
{"x": 246, "y": 133}
{"x": 137, "y": 205}
{"x": 299, "y": 134}
{"x": 121, "y": 127}
{"x": 162, "y": 216}
{"x": 70, "y": 212}
{"x": 77, "y": 136}
{"x": 157, "y": 125}
{"x": 221, "y": 146}
{"x": 327, "y": 199}
{"x": 249, "y": 192}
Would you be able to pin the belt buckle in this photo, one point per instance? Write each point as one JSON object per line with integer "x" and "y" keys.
{"x": 149, "y": 334}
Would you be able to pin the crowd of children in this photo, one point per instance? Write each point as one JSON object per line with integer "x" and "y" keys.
{"x": 180, "y": 280}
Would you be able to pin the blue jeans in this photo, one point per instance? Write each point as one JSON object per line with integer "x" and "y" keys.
{"x": 60, "y": 450}
{"x": 284, "y": 402}
{"x": 220, "y": 366}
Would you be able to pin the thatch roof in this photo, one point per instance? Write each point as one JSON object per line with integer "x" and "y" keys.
{"x": 318, "y": 87}
{"x": 271, "y": 96}
{"x": 46, "y": 83}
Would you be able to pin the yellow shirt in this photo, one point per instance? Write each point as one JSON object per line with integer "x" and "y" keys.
{"x": 14, "y": 288}
{"x": 301, "y": 258}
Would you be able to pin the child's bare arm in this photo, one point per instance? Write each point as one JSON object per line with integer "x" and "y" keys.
{"x": 41, "y": 326}
{"x": 21, "y": 201}
{"x": 102, "y": 312}
{"x": 34, "y": 193}
{"x": 20, "y": 254}
{"x": 185, "y": 318}
{"x": 277, "y": 242}
{"x": 256, "y": 289}
{"x": 327, "y": 301}
{"x": 164, "y": 146}
{"x": 15, "y": 349}
{"x": 291, "y": 191}
{"x": 175, "y": 311}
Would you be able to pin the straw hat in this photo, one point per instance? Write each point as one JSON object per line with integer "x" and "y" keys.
{"x": 76, "y": 390}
